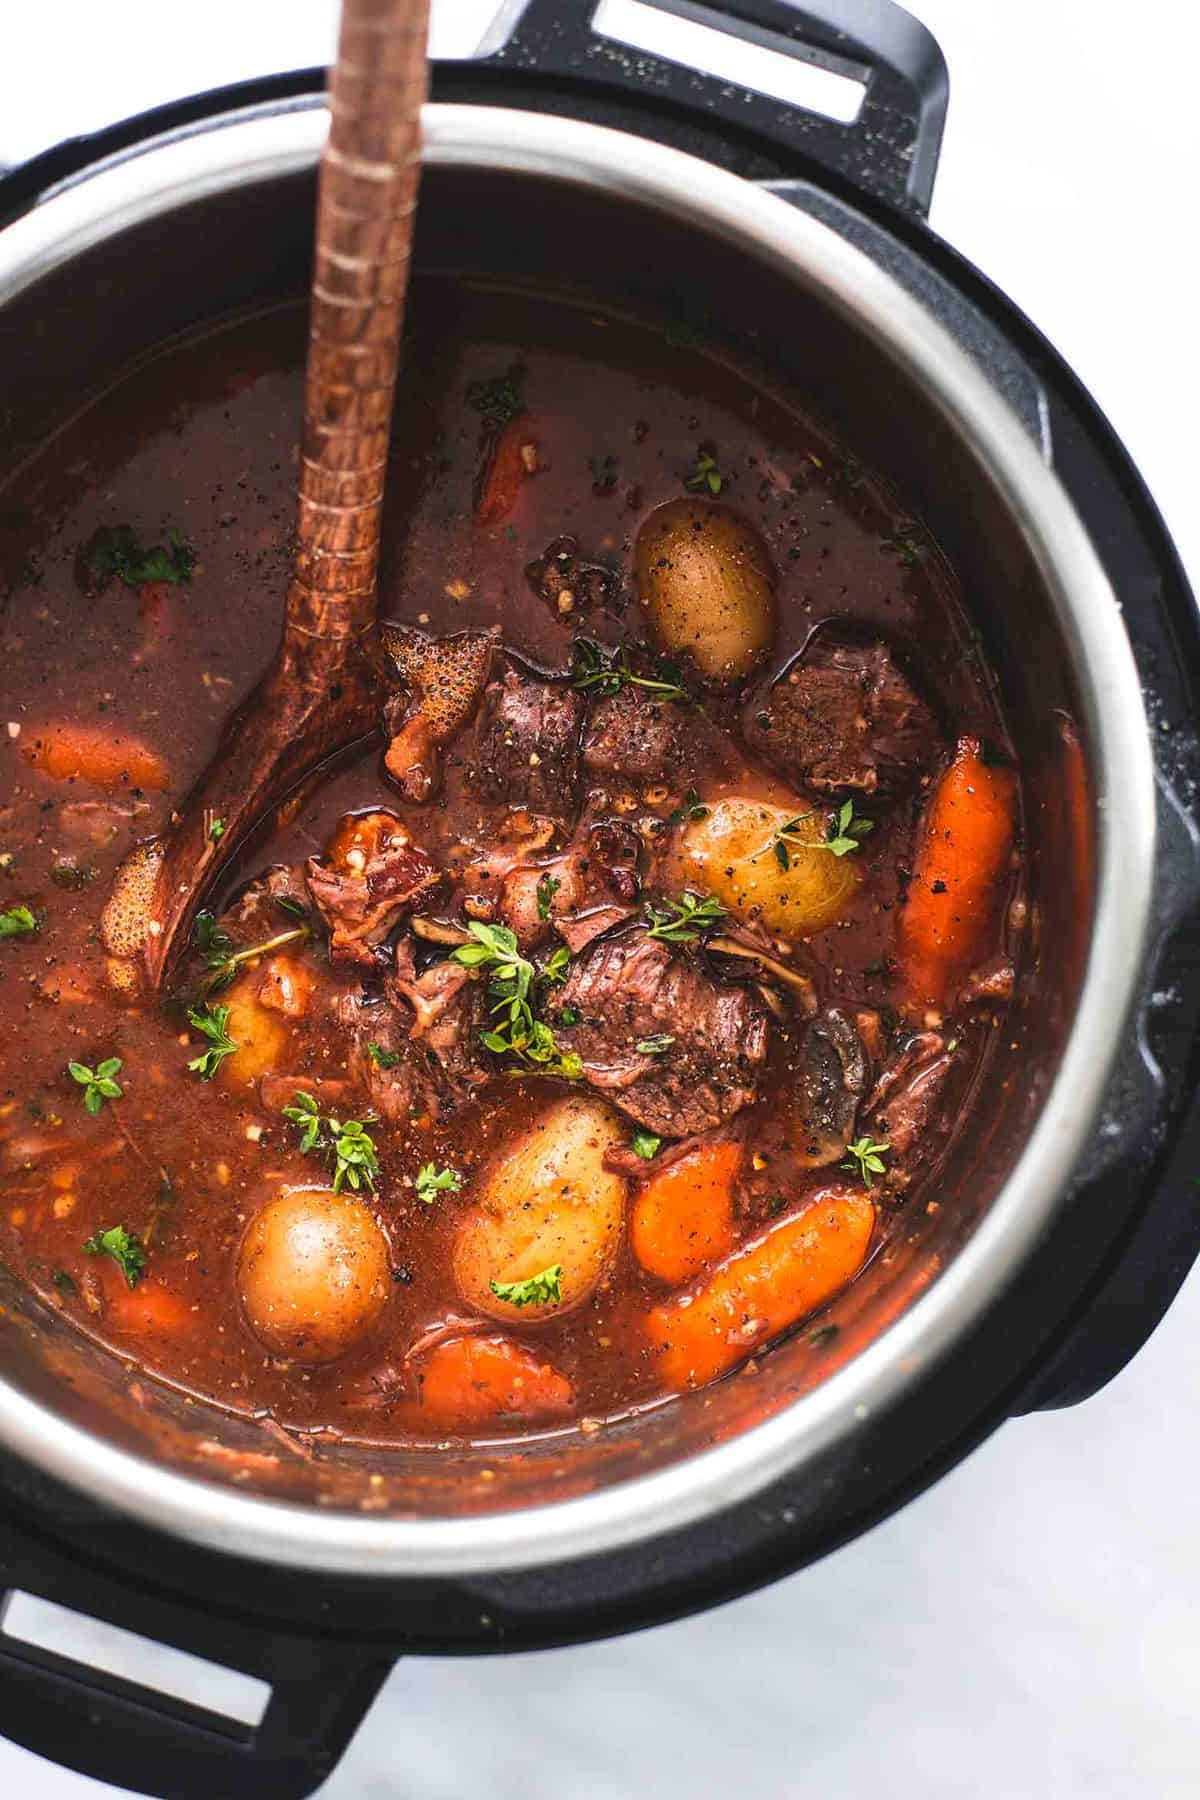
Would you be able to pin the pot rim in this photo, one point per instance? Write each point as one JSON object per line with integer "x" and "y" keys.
{"x": 240, "y": 148}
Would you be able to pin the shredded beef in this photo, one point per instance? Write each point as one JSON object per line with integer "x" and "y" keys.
{"x": 372, "y": 877}
{"x": 415, "y": 1049}
{"x": 844, "y": 718}
{"x": 526, "y": 750}
{"x": 445, "y": 1009}
{"x": 904, "y": 1106}
{"x": 630, "y": 989}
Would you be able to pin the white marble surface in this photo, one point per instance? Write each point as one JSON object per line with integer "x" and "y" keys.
{"x": 1028, "y": 1630}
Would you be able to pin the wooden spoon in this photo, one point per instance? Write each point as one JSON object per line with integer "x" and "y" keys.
{"x": 322, "y": 691}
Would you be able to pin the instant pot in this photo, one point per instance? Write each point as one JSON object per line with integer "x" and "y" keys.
{"x": 565, "y": 161}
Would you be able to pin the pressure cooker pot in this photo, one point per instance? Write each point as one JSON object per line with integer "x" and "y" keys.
{"x": 795, "y": 246}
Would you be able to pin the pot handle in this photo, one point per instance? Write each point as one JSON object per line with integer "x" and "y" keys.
{"x": 135, "y": 1737}
{"x": 889, "y": 149}
{"x": 1146, "y": 1267}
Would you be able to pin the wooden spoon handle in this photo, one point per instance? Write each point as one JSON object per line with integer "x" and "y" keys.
{"x": 365, "y": 211}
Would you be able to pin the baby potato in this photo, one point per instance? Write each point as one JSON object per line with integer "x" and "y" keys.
{"x": 262, "y": 1035}
{"x": 548, "y": 1201}
{"x": 705, "y": 579}
{"x": 731, "y": 853}
{"x": 313, "y": 1274}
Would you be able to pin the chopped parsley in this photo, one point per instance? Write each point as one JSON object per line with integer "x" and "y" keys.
{"x": 64, "y": 1281}
{"x": 542, "y": 1289}
{"x": 645, "y": 1144}
{"x": 98, "y": 1084}
{"x": 658, "y": 1045}
{"x": 383, "y": 1059}
{"x": 212, "y": 1023}
{"x": 866, "y": 1158}
{"x": 115, "y": 550}
{"x": 547, "y": 887}
{"x": 606, "y": 672}
{"x": 516, "y": 1031}
{"x": 349, "y": 1146}
{"x": 704, "y": 476}
{"x": 432, "y": 1181}
{"x": 17, "y": 919}
{"x": 216, "y": 831}
{"x": 682, "y": 921}
{"x": 126, "y": 1251}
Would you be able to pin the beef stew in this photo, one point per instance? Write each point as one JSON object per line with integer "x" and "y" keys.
{"x": 588, "y": 1029}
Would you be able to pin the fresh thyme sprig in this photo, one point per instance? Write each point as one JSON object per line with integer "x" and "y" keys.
{"x": 682, "y": 921}
{"x": 867, "y": 1158}
{"x": 844, "y": 834}
{"x": 221, "y": 956}
{"x": 516, "y": 1030}
{"x": 213, "y": 1024}
{"x": 98, "y": 1084}
{"x": 432, "y": 1181}
{"x": 350, "y": 1145}
{"x": 606, "y": 672}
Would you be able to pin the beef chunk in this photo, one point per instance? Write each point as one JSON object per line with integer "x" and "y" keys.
{"x": 587, "y": 890}
{"x": 905, "y": 1105}
{"x": 265, "y": 905}
{"x": 635, "y": 737}
{"x": 633, "y": 989}
{"x": 624, "y": 1160}
{"x": 844, "y": 718}
{"x": 831, "y": 1077}
{"x": 579, "y": 929}
{"x": 371, "y": 876}
{"x": 992, "y": 983}
{"x": 527, "y": 746}
{"x": 565, "y": 582}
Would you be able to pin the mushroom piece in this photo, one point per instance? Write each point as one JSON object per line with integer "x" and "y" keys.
{"x": 800, "y": 985}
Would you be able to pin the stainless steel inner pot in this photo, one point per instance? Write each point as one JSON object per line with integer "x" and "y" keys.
{"x": 195, "y": 225}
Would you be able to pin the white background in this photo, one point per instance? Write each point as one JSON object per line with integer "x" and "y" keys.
{"x": 1030, "y": 1630}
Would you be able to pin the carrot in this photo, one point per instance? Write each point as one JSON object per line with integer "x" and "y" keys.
{"x": 471, "y": 1380}
{"x": 963, "y": 853}
{"x": 683, "y": 1218}
{"x": 514, "y": 458}
{"x": 101, "y": 754}
{"x": 763, "y": 1288}
{"x": 149, "y": 1307}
